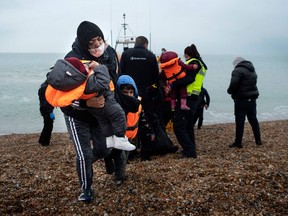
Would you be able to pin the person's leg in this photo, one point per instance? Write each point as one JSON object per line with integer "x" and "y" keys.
{"x": 80, "y": 135}
{"x": 193, "y": 104}
{"x": 100, "y": 149}
{"x": 200, "y": 120}
{"x": 173, "y": 95}
{"x": 45, "y": 135}
{"x": 252, "y": 118}
{"x": 120, "y": 161}
{"x": 196, "y": 117}
{"x": 109, "y": 163}
{"x": 240, "y": 113}
{"x": 180, "y": 127}
{"x": 183, "y": 98}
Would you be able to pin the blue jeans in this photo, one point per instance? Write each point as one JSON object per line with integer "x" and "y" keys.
{"x": 243, "y": 108}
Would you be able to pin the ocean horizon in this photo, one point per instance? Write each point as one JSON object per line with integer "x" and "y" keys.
{"x": 22, "y": 73}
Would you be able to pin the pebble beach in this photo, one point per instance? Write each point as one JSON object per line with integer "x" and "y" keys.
{"x": 38, "y": 180}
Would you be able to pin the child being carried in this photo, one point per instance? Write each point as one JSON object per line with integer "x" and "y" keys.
{"x": 71, "y": 80}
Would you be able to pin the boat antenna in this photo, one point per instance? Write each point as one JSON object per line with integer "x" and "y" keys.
{"x": 124, "y": 25}
{"x": 125, "y": 40}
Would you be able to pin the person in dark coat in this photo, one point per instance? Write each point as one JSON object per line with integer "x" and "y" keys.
{"x": 141, "y": 64}
{"x": 243, "y": 90}
{"x": 46, "y": 111}
{"x": 204, "y": 101}
{"x": 183, "y": 119}
{"x": 82, "y": 126}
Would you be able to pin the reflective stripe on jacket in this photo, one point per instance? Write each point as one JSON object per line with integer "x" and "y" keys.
{"x": 195, "y": 87}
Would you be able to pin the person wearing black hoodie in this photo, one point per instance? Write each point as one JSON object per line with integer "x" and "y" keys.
{"x": 82, "y": 126}
{"x": 127, "y": 97}
{"x": 243, "y": 90}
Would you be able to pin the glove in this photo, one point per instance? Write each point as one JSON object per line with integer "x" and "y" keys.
{"x": 52, "y": 116}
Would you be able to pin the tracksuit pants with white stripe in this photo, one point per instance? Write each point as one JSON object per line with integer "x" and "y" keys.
{"x": 82, "y": 134}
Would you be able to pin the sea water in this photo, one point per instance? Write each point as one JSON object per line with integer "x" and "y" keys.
{"x": 22, "y": 73}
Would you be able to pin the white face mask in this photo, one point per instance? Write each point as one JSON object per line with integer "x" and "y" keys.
{"x": 97, "y": 52}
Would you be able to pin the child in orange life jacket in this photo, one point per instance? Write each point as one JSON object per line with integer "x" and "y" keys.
{"x": 127, "y": 97}
{"x": 85, "y": 81}
{"x": 175, "y": 69}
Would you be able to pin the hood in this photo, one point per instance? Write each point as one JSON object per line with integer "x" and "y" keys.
{"x": 126, "y": 79}
{"x": 64, "y": 76}
{"x": 246, "y": 64}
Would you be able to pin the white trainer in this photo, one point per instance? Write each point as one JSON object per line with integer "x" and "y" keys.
{"x": 110, "y": 143}
{"x": 122, "y": 143}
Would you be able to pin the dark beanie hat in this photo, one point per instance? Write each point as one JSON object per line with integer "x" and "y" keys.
{"x": 167, "y": 56}
{"x": 86, "y": 31}
{"x": 77, "y": 64}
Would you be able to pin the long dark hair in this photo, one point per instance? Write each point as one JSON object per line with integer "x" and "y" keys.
{"x": 193, "y": 53}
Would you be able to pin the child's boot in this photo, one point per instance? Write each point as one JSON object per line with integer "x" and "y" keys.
{"x": 184, "y": 105}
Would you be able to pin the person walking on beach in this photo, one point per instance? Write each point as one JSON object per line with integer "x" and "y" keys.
{"x": 82, "y": 126}
{"x": 243, "y": 90}
{"x": 204, "y": 101}
{"x": 46, "y": 111}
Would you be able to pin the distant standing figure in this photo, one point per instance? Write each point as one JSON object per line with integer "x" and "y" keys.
{"x": 204, "y": 101}
{"x": 244, "y": 92}
{"x": 46, "y": 111}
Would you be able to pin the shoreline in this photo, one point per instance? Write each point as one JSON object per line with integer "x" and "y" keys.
{"x": 204, "y": 125}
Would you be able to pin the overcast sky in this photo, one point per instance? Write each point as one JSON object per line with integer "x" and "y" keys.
{"x": 215, "y": 26}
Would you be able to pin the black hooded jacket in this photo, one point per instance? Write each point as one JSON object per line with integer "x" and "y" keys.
{"x": 243, "y": 84}
{"x": 109, "y": 58}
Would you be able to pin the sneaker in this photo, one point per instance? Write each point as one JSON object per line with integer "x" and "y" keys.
{"x": 86, "y": 196}
{"x": 234, "y": 145}
{"x": 110, "y": 142}
{"x": 122, "y": 143}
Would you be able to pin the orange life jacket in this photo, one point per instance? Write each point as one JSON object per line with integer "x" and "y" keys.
{"x": 172, "y": 70}
{"x": 132, "y": 120}
{"x": 59, "y": 98}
